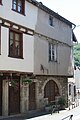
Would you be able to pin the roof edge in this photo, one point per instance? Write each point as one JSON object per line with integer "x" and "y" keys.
{"x": 51, "y": 12}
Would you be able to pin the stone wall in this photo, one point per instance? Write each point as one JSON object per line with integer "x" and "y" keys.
{"x": 40, "y": 84}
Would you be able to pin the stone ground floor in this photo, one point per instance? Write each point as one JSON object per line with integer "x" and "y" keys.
{"x": 21, "y": 93}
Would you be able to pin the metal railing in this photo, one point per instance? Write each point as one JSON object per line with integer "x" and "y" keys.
{"x": 69, "y": 116}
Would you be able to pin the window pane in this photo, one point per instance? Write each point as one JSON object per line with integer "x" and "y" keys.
{"x": 11, "y": 35}
{"x": 14, "y": 4}
{"x": 17, "y": 51}
{"x": 52, "y": 57}
{"x": 11, "y": 44}
{"x": 19, "y": 6}
{"x": 16, "y": 37}
{"x": 52, "y": 52}
{"x": 11, "y": 48}
{"x": 19, "y": 2}
{"x": 14, "y": 1}
{"x": 19, "y": 9}
{"x": 49, "y": 52}
{"x": 15, "y": 47}
{"x": 51, "y": 20}
{"x": 14, "y": 7}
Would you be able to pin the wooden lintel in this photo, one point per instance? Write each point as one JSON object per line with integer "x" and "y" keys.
{"x": 17, "y": 73}
{"x": 19, "y": 26}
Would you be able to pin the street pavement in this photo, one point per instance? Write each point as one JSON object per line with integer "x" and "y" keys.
{"x": 62, "y": 114}
{"x": 42, "y": 116}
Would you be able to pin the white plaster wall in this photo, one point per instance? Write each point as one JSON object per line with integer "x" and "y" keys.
{"x": 5, "y": 98}
{"x": 27, "y": 20}
{"x": 60, "y": 31}
{"x": 77, "y": 78}
{"x": 8, "y": 63}
{"x": 62, "y": 66}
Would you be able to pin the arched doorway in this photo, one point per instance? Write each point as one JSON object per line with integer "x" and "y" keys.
{"x": 51, "y": 90}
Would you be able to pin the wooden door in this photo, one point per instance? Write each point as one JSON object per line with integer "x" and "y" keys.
{"x": 0, "y": 97}
{"x": 51, "y": 90}
{"x": 14, "y": 97}
{"x": 32, "y": 96}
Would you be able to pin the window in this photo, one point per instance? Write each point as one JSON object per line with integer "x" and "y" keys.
{"x": 74, "y": 90}
{"x": 18, "y": 6}
{"x": 15, "y": 44}
{"x": 52, "y": 52}
{"x": 0, "y": 1}
{"x": 69, "y": 89}
{"x": 50, "y": 20}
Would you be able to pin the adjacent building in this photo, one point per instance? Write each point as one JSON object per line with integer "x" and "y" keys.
{"x": 35, "y": 56}
{"x": 77, "y": 81}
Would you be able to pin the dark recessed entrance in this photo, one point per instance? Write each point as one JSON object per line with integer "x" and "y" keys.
{"x": 0, "y": 97}
{"x": 32, "y": 96}
{"x": 14, "y": 96}
{"x": 51, "y": 90}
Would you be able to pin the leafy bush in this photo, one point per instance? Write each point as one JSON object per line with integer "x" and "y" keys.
{"x": 76, "y": 50}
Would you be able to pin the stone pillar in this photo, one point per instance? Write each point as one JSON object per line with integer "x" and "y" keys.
{"x": 21, "y": 97}
{"x": 24, "y": 90}
{"x": 5, "y": 98}
{"x": 37, "y": 95}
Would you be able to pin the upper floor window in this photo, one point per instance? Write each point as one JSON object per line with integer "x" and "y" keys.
{"x": 15, "y": 44}
{"x": 0, "y": 1}
{"x": 18, "y": 6}
{"x": 52, "y": 52}
{"x": 50, "y": 20}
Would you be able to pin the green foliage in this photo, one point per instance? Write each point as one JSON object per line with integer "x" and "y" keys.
{"x": 77, "y": 54}
{"x": 26, "y": 81}
{"x": 62, "y": 101}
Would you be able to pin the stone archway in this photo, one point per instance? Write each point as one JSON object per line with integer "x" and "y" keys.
{"x": 54, "y": 84}
{"x": 51, "y": 90}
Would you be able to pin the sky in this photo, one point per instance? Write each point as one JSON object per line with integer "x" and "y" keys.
{"x": 69, "y": 9}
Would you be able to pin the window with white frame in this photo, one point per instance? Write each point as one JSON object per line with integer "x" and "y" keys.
{"x": 52, "y": 52}
{"x": 50, "y": 20}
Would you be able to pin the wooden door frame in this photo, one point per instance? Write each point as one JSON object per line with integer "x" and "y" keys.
{"x": 9, "y": 99}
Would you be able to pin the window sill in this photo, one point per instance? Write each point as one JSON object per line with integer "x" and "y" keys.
{"x": 51, "y": 26}
{"x": 53, "y": 61}
{"x": 15, "y": 57}
{"x": 19, "y": 12}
